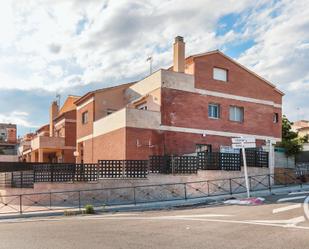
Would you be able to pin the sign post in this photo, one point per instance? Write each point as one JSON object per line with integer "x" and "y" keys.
{"x": 245, "y": 169}
{"x": 243, "y": 143}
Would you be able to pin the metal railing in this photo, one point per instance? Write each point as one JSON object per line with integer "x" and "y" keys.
{"x": 51, "y": 201}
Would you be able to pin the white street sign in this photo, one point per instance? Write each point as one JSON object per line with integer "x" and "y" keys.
{"x": 237, "y": 146}
{"x": 245, "y": 145}
{"x": 237, "y": 140}
{"x": 242, "y": 143}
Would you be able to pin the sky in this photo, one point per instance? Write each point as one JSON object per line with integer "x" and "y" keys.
{"x": 50, "y": 47}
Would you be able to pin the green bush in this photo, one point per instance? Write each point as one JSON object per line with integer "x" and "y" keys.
{"x": 89, "y": 209}
{"x": 70, "y": 213}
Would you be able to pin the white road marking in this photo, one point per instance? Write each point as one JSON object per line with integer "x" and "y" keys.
{"x": 292, "y": 221}
{"x": 249, "y": 222}
{"x": 299, "y": 193}
{"x": 292, "y": 198}
{"x": 287, "y": 208}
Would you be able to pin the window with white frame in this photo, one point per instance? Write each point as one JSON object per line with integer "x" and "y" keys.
{"x": 85, "y": 117}
{"x": 220, "y": 74}
{"x": 236, "y": 113}
{"x": 214, "y": 111}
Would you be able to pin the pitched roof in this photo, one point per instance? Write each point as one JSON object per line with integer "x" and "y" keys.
{"x": 89, "y": 94}
{"x": 68, "y": 105}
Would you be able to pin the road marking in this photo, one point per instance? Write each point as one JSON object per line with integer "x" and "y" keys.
{"x": 247, "y": 222}
{"x": 292, "y": 198}
{"x": 292, "y": 221}
{"x": 298, "y": 193}
{"x": 287, "y": 208}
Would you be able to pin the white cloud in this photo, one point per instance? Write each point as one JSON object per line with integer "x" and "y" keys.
{"x": 17, "y": 117}
{"x": 281, "y": 53}
{"x": 59, "y": 44}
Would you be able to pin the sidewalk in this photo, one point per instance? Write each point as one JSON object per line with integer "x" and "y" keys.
{"x": 213, "y": 200}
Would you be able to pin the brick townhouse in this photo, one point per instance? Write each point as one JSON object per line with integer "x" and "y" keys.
{"x": 56, "y": 141}
{"x": 198, "y": 104}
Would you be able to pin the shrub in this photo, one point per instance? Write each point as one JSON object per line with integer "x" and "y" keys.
{"x": 89, "y": 209}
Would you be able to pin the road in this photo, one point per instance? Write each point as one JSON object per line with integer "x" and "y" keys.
{"x": 280, "y": 223}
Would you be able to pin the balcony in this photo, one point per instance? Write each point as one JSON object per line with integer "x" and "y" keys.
{"x": 44, "y": 142}
{"x": 127, "y": 117}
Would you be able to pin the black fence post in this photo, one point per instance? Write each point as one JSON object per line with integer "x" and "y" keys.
{"x": 134, "y": 195}
{"x": 20, "y": 204}
{"x": 185, "y": 190}
{"x": 21, "y": 179}
{"x": 50, "y": 200}
{"x": 250, "y": 185}
{"x": 230, "y": 182}
{"x": 51, "y": 173}
{"x": 79, "y": 202}
{"x": 269, "y": 183}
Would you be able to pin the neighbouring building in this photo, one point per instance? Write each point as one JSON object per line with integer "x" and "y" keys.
{"x": 301, "y": 127}
{"x": 198, "y": 104}
{"x": 8, "y": 142}
{"x": 56, "y": 141}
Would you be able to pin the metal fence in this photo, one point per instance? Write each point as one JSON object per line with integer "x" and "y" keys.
{"x": 231, "y": 161}
{"x": 173, "y": 164}
{"x": 50, "y": 201}
{"x": 122, "y": 168}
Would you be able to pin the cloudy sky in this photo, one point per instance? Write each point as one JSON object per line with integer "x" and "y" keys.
{"x": 73, "y": 46}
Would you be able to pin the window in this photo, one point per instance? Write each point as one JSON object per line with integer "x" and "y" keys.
{"x": 276, "y": 118}
{"x": 203, "y": 148}
{"x": 236, "y": 113}
{"x": 109, "y": 111}
{"x": 85, "y": 117}
{"x": 142, "y": 106}
{"x": 220, "y": 74}
{"x": 214, "y": 111}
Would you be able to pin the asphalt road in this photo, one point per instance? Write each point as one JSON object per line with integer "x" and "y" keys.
{"x": 277, "y": 224}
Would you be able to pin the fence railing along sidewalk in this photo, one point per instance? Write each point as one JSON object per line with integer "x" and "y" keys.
{"x": 64, "y": 200}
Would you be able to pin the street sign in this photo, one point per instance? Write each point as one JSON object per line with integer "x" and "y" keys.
{"x": 237, "y": 140}
{"x": 244, "y": 145}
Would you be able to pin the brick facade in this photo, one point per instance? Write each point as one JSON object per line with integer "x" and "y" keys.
{"x": 183, "y": 111}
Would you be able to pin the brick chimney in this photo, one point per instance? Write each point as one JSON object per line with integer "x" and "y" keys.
{"x": 11, "y": 135}
{"x": 179, "y": 55}
{"x": 53, "y": 113}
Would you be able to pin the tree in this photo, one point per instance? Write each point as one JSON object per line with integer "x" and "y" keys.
{"x": 290, "y": 140}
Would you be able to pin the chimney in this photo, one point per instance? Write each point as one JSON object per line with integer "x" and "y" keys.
{"x": 53, "y": 112}
{"x": 179, "y": 55}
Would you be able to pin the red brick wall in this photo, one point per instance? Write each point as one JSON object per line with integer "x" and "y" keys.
{"x": 240, "y": 82}
{"x": 88, "y": 151}
{"x": 68, "y": 156}
{"x": 141, "y": 149}
{"x": 110, "y": 146}
{"x": 190, "y": 110}
{"x": 11, "y": 135}
{"x": 84, "y": 129}
{"x": 185, "y": 143}
{"x": 70, "y": 134}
